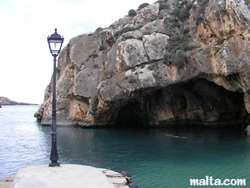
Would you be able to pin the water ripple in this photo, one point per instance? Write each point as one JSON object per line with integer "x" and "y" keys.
{"x": 155, "y": 158}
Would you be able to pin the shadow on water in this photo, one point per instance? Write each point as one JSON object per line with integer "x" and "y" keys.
{"x": 157, "y": 157}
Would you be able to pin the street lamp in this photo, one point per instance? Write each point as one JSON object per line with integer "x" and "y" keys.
{"x": 55, "y": 42}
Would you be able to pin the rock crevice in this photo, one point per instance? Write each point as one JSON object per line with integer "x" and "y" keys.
{"x": 173, "y": 63}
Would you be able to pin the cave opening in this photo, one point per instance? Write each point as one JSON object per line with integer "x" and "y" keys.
{"x": 195, "y": 103}
{"x": 130, "y": 115}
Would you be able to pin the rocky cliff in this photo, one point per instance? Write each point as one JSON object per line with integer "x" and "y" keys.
{"x": 174, "y": 62}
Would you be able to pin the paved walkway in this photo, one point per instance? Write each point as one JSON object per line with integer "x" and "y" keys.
{"x": 67, "y": 176}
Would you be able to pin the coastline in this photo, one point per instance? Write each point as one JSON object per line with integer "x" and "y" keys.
{"x": 7, "y": 101}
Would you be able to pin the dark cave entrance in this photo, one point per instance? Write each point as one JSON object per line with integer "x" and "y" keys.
{"x": 195, "y": 103}
{"x": 130, "y": 115}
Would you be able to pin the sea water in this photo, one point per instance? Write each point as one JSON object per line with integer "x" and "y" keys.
{"x": 156, "y": 158}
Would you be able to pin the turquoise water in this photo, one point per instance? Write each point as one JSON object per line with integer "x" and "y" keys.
{"x": 156, "y": 158}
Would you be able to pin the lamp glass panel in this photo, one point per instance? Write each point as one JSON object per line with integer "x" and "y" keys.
{"x": 55, "y": 46}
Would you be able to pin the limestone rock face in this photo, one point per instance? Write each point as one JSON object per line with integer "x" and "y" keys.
{"x": 179, "y": 62}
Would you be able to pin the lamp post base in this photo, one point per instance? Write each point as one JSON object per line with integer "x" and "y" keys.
{"x": 54, "y": 164}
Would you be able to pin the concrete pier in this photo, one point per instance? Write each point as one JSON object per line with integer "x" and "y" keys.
{"x": 7, "y": 182}
{"x": 68, "y": 176}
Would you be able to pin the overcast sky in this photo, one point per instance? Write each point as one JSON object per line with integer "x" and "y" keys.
{"x": 26, "y": 64}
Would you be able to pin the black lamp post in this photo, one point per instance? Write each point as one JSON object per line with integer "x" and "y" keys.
{"x": 55, "y": 42}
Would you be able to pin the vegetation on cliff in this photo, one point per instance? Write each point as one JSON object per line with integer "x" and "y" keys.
{"x": 171, "y": 62}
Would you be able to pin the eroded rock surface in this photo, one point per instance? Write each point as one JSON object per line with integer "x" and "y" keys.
{"x": 179, "y": 62}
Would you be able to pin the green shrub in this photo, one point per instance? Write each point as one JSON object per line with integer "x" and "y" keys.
{"x": 99, "y": 29}
{"x": 186, "y": 31}
{"x": 131, "y": 80}
{"x": 166, "y": 59}
{"x": 184, "y": 14}
{"x": 143, "y": 5}
{"x": 220, "y": 41}
{"x": 182, "y": 11}
{"x": 179, "y": 42}
{"x": 199, "y": 19}
{"x": 147, "y": 33}
{"x": 163, "y": 6}
{"x": 94, "y": 55}
{"x": 178, "y": 59}
{"x": 162, "y": 1}
{"x": 124, "y": 30}
{"x": 128, "y": 37}
{"x": 140, "y": 38}
{"x": 150, "y": 67}
{"x": 139, "y": 27}
{"x": 189, "y": 48}
{"x": 182, "y": 3}
{"x": 101, "y": 48}
{"x": 132, "y": 13}
{"x": 95, "y": 102}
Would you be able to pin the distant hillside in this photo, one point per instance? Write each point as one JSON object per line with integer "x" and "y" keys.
{"x": 6, "y": 101}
